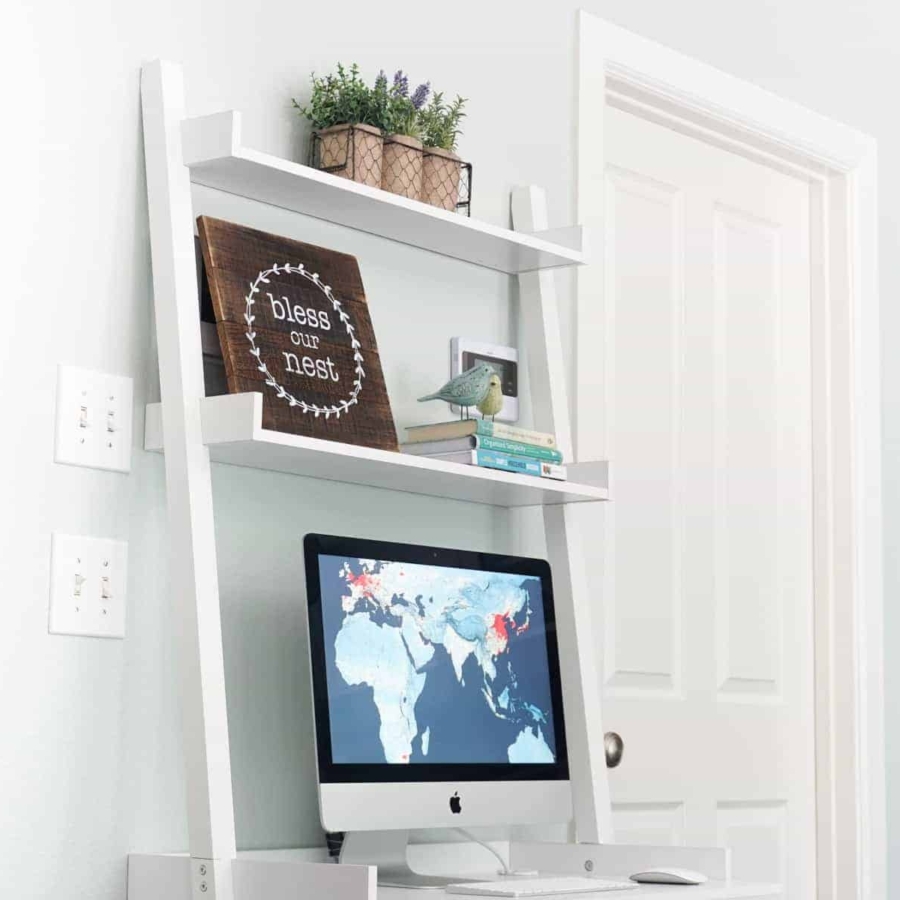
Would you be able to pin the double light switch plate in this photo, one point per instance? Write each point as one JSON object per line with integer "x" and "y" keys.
{"x": 93, "y": 419}
{"x": 87, "y": 586}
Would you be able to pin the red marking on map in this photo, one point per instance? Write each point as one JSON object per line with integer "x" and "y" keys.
{"x": 498, "y": 634}
{"x": 365, "y": 582}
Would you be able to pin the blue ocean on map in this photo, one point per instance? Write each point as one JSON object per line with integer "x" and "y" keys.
{"x": 429, "y": 664}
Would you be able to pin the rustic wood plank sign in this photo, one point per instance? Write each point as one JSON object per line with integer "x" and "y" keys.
{"x": 294, "y": 325}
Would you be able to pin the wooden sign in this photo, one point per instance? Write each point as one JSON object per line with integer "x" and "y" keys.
{"x": 294, "y": 325}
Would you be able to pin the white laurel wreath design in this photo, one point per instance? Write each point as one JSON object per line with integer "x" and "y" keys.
{"x": 250, "y": 334}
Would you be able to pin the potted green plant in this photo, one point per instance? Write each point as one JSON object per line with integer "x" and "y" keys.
{"x": 402, "y": 167}
{"x": 347, "y": 126}
{"x": 441, "y": 167}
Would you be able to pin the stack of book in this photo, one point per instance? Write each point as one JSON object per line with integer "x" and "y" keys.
{"x": 493, "y": 445}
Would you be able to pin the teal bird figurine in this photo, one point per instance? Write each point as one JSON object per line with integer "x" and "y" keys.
{"x": 473, "y": 387}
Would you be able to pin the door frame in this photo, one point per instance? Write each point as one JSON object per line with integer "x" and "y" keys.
{"x": 621, "y": 69}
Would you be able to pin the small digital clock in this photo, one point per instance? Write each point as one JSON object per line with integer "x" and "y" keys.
{"x": 466, "y": 353}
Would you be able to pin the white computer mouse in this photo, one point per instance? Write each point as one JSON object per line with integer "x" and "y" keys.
{"x": 666, "y": 875}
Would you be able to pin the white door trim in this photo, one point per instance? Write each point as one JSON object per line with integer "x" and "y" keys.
{"x": 621, "y": 69}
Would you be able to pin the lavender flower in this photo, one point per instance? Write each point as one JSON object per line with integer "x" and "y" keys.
{"x": 381, "y": 82}
{"x": 401, "y": 84}
{"x": 420, "y": 95}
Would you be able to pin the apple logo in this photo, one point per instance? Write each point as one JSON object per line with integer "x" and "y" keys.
{"x": 455, "y": 804}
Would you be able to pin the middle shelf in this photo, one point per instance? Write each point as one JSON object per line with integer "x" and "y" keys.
{"x": 232, "y": 429}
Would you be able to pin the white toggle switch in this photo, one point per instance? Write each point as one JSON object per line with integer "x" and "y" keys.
{"x": 87, "y": 586}
{"x": 93, "y": 419}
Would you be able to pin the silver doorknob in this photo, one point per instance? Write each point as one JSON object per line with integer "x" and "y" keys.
{"x": 614, "y": 747}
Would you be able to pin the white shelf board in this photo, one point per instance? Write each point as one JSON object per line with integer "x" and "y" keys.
{"x": 211, "y": 148}
{"x": 232, "y": 429}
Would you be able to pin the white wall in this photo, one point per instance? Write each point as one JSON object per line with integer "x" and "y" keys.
{"x": 89, "y": 760}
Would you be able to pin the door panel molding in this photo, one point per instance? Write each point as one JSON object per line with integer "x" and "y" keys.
{"x": 660, "y": 824}
{"x": 759, "y": 828}
{"x": 647, "y": 667}
{"x": 742, "y": 675}
{"x": 623, "y": 70}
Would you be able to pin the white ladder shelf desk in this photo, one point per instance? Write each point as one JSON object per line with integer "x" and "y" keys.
{"x": 195, "y": 430}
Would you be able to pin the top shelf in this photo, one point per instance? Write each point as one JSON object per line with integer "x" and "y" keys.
{"x": 211, "y": 148}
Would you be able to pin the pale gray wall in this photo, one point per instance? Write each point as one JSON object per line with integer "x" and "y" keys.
{"x": 89, "y": 759}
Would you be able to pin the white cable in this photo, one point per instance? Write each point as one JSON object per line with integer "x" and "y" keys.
{"x": 468, "y": 834}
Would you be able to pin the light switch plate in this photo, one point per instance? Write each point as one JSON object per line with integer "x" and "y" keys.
{"x": 93, "y": 419}
{"x": 88, "y": 577}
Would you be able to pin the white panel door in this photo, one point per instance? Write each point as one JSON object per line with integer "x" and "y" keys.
{"x": 706, "y": 626}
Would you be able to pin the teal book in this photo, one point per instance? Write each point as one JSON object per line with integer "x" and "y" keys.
{"x": 477, "y": 442}
{"x": 506, "y": 462}
{"x": 522, "y": 464}
{"x": 518, "y": 448}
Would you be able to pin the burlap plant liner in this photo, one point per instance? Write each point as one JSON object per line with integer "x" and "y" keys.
{"x": 441, "y": 174}
{"x": 402, "y": 168}
{"x": 352, "y": 151}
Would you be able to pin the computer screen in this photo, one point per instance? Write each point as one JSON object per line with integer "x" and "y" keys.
{"x": 433, "y": 662}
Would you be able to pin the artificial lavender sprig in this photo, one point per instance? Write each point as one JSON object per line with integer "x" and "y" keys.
{"x": 401, "y": 84}
{"x": 420, "y": 95}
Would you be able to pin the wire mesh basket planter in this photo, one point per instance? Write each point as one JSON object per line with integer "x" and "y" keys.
{"x": 360, "y": 153}
{"x": 446, "y": 181}
{"x": 402, "y": 168}
{"x": 349, "y": 151}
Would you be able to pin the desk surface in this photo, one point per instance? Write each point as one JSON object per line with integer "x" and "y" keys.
{"x": 447, "y": 860}
{"x": 712, "y": 890}
{"x": 155, "y": 875}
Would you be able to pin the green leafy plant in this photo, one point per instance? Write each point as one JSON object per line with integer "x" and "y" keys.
{"x": 344, "y": 98}
{"x": 341, "y": 99}
{"x": 439, "y": 122}
{"x": 380, "y": 103}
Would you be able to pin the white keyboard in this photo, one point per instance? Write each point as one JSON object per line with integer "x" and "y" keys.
{"x": 540, "y": 887}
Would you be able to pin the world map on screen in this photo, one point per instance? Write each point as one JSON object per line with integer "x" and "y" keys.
{"x": 429, "y": 664}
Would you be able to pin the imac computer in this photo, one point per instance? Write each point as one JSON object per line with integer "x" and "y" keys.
{"x": 437, "y": 695}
